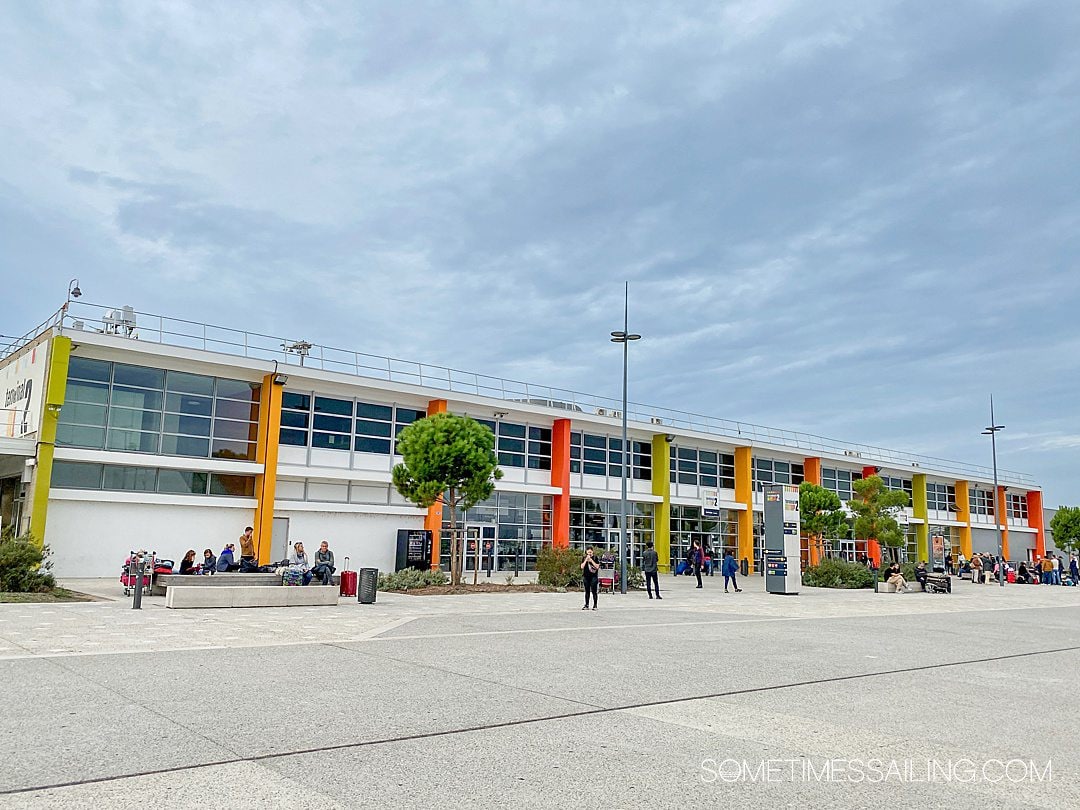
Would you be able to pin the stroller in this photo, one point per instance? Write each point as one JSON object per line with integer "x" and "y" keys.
{"x": 128, "y": 575}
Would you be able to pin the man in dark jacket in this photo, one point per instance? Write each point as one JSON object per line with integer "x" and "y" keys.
{"x": 649, "y": 564}
{"x": 730, "y": 569}
{"x": 324, "y": 563}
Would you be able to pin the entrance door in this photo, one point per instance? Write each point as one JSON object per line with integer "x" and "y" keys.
{"x": 846, "y": 549}
{"x": 472, "y": 548}
{"x": 279, "y": 538}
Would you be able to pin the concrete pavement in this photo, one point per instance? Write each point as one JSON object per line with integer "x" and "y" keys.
{"x": 525, "y": 700}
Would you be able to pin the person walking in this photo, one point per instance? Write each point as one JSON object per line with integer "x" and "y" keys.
{"x": 699, "y": 560}
{"x": 650, "y": 563}
{"x": 1047, "y": 569}
{"x": 730, "y": 569}
{"x": 1059, "y": 569}
{"x": 948, "y": 563}
{"x": 976, "y": 569}
{"x": 590, "y": 570}
{"x": 1074, "y": 570}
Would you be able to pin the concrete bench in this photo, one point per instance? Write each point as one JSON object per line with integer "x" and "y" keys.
{"x": 912, "y": 587}
{"x": 162, "y": 582}
{"x": 234, "y": 596}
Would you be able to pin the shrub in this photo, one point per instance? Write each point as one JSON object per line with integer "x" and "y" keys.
{"x": 24, "y": 566}
{"x": 559, "y": 567}
{"x": 838, "y": 574}
{"x": 411, "y": 579}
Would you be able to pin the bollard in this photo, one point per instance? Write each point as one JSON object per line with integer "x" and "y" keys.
{"x": 140, "y": 568}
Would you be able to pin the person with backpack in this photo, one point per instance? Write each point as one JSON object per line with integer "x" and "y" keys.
{"x": 699, "y": 560}
{"x": 650, "y": 563}
{"x": 729, "y": 569}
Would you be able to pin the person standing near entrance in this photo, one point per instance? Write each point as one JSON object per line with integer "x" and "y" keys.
{"x": 247, "y": 545}
{"x": 730, "y": 569}
{"x": 698, "y": 557}
{"x": 590, "y": 570}
{"x": 650, "y": 562}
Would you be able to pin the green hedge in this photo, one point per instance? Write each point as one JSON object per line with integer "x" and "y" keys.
{"x": 559, "y": 567}
{"x": 410, "y": 579}
{"x": 838, "y": 574}
{"x": 24, "y": 565}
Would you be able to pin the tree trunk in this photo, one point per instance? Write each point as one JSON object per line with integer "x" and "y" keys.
{"x": 455, "y": 541}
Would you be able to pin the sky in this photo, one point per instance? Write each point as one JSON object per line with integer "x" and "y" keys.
{"x": 856, "y": 219}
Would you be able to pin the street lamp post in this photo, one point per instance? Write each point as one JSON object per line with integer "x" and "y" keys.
{"x": 624, "y": 337}
{"x": 73, "y": 291}
{"x": 992, "y": 432}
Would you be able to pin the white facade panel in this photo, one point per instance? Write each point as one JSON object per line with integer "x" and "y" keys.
{"x": 369, "y": 540}
{"x": 92, "y": 538}
{"x": 338, "y": 459}
{"x": 290, "y": 454}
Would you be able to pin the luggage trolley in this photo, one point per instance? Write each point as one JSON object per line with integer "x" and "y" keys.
{"x": 607, "y": 578}
{"x": 154, "y": 566}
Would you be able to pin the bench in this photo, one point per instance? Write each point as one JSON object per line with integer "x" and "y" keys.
{"x": 234, "y": 596}
{"x": 162, "y": 582}
{"x": 912, "y": 587}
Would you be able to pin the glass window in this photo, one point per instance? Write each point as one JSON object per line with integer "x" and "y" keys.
{"x": 77, "y": 436}
{"x": 406, "y": 416}
{"x": 330, "y": 441}
{"x": 185, "y": 446}
{"x": 132, "y": 441}
{"x": 182, "y": 482}
{"x": 71, "y": 475}
{"x": 136, "y": 479}
{"x": 135, "y": 398}
{"x": 82, "y": 368}
{"x": 189, "y": 404}
{"x": 185, "y": 383}
{"x": 512, "y": 459}
{"x": 228, "y": 448}
{"x": 232, "y": 485}
{"x": 238, "y": 389}
{"x": 78, "y": 391}
{"x": 134, "y": 420}
{"x": 138, "y": 376}
{"x": 77, "y": 413}
{"x": 369, "y": 410}
{"x": 294, "y": 419}
{"x": 188, "y": 425}
{"x": 513, "y": 445}
{"x": 365, "y": 427}
{"x": 338, "y": 407}
{"x": 294, "y": 401}
{"x": 295, "y": 438}
{"x": 512, "y": 430}
{"x": 231, "y": 409}
{"x": 336, "y": 424}
{"x": 366, "y": 445}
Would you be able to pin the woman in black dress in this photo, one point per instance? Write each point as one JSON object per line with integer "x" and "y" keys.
{"x": 590, "y": 569}
{"x": 187, "y": 565}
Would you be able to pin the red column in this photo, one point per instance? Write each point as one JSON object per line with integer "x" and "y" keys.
{"x": 1035, "y": 521}
{"x": 1002, "y": 517}
{"x": 560, "y": 478}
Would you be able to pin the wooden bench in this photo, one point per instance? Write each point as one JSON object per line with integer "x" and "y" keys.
{"x": 236, "y": 596}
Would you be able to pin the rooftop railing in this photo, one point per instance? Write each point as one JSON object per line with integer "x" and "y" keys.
{"x": 126, "y": 322}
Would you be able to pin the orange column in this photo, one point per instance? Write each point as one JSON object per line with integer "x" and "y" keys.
{"x": 433, "y": 520}
{"x": 812, "y": 475}
{"x": 1035, "y": 521}
{"x": 873, "y": 547}
{"x": 963, "y": 514}
{"x": 1003, "y": 521}
{"x": 560, "y": 478}
{"x": 266, "y": 454}
{"x": 744, "y": 494}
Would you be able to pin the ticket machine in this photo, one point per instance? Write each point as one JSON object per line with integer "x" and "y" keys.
{"x": 782, "y": 547}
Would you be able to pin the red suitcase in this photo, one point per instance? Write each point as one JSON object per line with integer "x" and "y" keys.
{"x": 348, "y": 580}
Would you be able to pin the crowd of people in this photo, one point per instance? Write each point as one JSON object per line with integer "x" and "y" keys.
{"x": 299, "y": 565}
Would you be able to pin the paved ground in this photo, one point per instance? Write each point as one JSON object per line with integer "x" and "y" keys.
{"x": 704, "y": 699}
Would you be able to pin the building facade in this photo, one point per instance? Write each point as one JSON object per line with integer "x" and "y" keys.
{"x": 126, "y": 431}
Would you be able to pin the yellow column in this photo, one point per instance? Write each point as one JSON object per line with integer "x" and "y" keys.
{"x": 744, "y": 494}
{"x": 963, "y": 514}
{"x": 55, "y": 389}
{"x": 661, "y": 485}
{"x": 266, "y": 453}
{"x": 918, "y": 508}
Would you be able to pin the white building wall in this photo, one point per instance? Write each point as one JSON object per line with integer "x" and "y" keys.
{"x": 92, "y": 538}
{"x": 369, "y": 540}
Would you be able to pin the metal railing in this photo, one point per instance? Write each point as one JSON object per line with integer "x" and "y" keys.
{"x": 12, "y": 345}
{"x": 299, "y": 352}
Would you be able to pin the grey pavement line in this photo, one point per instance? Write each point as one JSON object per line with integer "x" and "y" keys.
{"x": 525, "y": 721}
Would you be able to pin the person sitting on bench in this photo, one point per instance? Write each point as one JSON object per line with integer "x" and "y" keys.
{"x": 896, "y": 579}
{"x": 324, "y": 563}
{"x": 920, "y": 573}
{"x": 298, "y": 561}
{"x": 209, "y": 563}
{"x": 226, "y": 561}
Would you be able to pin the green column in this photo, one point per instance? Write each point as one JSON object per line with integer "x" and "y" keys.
{"x": 55, "y": 389}
{"x": 918, "y": 507}
{"x": 661, "y": 485}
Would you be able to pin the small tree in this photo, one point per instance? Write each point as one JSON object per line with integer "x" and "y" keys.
{"x": 450, "y": 460}
{"x": 822, "y": 514}
{"x": 875, "y": 509}
{"x": 1065, "y": 525}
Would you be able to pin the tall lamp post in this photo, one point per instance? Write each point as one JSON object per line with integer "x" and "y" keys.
{"x": 624, "y": 337}
{"x": 992, "y": 432}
